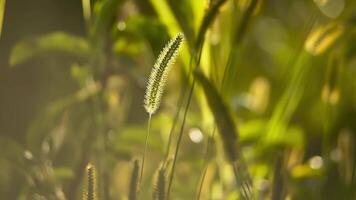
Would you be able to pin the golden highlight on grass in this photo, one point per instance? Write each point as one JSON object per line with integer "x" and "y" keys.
{"x": 90, "y": 194}
{"x": 323, "y": 37}
{"x": 2, "y": 13}
{"x": 158, "y": 77}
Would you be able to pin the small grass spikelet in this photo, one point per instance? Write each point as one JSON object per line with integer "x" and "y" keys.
{"x": 134, "y": 181}
{"x": 91, "y": 187}
{"x": 158, "y": 76}
{"x": 159, "y": 190}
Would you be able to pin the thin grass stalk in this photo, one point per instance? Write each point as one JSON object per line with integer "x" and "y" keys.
{"x": 146, "y": 145}
{"x": 277, "y": 185}
{"x": 156, "y": 83}
{"x": 206, "y": 162}
{"x": 244, "y": 193}
{"x": 171, "y": 131}
{"x": 207, "y": 20}
{"x": 171, "y": 176}
{"x": 180, "y": 139}
{"x": 236, "y": 41}
{"x": 177, "y": 114}
{"x": 201, "y": 184}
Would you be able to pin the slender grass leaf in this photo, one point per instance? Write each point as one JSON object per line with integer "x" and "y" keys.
{"x": 166, "y": 16}
{"x": 52, "y": 42}
{"x": 222, "y": 116}
{"x": 86, "y": 5}
{"x": 133, "y": 190}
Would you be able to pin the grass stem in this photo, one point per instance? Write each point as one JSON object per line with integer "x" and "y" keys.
{"x": 146, "y": 144}
{"x": 180, "y": 139}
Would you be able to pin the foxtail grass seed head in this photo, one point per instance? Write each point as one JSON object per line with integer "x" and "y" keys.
{"x": 158, "y": 76}
{"x": 159, "y": 190}
{"x": 91, "y": 188}
{"x": 134, "y": 181}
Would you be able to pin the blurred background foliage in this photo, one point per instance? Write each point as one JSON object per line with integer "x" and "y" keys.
{"x": 72, "y": 81}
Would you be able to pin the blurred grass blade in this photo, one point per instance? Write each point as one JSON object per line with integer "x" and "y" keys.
{"x": 53, "y": 42}
{"x": 166, "y": 16}
{"x": 182, "y": 11}
{"x": 134, "y": 181}
{"x": 2, "y": 13}
{"x": 104, "y": 13}
{"x": 331, "y": 88}
{"x": 290, "y": 99}
{"x": 323, "y": 37}
{"x": 86, "y": 10}
{"x": 240, "y": 32}
{"x": 222, "y": 116}
{"x": 12, "y": 151}
{"x": 207, "y": 20}
{"x": 228, "y": 133}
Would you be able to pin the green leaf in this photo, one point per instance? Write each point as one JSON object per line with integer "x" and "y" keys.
{"x": 57, "y": 42}
{"x": 222, "y": 116}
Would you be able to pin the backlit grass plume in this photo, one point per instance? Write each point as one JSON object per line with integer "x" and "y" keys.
{"x": 157, "y": 81}
{"x": 159, "y": 74}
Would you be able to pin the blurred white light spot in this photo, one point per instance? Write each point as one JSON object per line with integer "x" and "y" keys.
{"x": 195, "y": 135}
{"x": 121, "y": 25}
{"x": 28, "y": 155}
{"x": 316, "y": 162}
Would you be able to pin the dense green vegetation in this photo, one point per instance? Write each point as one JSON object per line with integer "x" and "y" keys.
{"x": 259, "y": 101}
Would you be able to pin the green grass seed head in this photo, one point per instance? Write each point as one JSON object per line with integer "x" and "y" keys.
{"x": 91, "y": 188}
{"x": 158, "y": 76}
{"x": 159, "y": 190}
{"x": 134, "y": 181}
